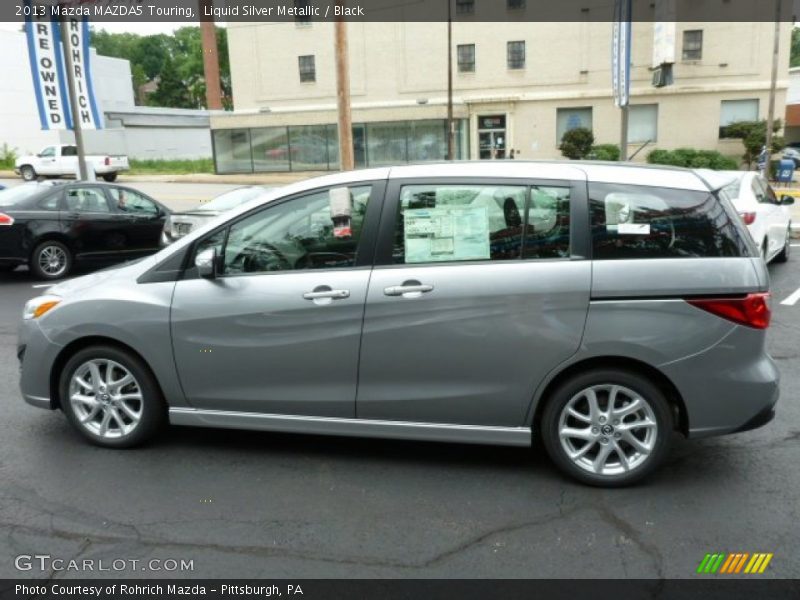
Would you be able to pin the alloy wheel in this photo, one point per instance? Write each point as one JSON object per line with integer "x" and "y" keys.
{"x": 106, "y": 398}
{"x": 52, "y": 261}
{"x": 608, "y": 429}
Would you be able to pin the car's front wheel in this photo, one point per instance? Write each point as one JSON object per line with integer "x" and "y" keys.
{"x": 111, "y": 397}
{"x": 27, "y": 172}
{"x": 607, "y": 427}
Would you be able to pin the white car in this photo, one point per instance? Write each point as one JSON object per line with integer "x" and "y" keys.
{"x": 768, "y": 218}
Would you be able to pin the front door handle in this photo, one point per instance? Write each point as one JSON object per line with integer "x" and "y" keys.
{"x": 409, "y": 289}
{"x": 322, "y": 294}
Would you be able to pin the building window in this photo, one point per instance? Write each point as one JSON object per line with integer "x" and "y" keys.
{"x": 693, "y": 44}
{"x": 465, "y": 7}
{"x": 466, "y": 58}
{"x": 308, "y": 71}
{"x": 515, "y": 4}
{"x": 736, "y": 111}
{"x": 302, "y": 20}
{"x": 642, "y": 123}
{"x": 568, "y": 119}
{"x": 515, "y": 55}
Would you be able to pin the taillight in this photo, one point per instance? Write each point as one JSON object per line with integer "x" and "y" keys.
{"x": 752, "y": 310}
{"x": 108, "y": 160}
{"x": 748, "y": 217}
{"x": 6, "y": 220}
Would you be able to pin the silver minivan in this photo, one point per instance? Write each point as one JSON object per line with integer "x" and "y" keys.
{"x": 599, "y": 307}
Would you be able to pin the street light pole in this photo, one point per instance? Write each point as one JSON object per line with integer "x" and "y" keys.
{"x": 83, "y": 172}
{"x": 450, "y": 124}
{"x": 773, "y": 85}
{"x": 343, "y": 95}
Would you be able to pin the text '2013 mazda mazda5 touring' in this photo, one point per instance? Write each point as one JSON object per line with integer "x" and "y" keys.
{"x": 598, "y": 306}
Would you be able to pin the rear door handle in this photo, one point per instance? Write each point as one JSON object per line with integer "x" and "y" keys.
{"x": 409, "y": 289}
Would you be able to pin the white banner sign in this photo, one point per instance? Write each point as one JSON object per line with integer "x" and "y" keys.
{"x": 621, "y": 52}
{"x": 49, "y": 70}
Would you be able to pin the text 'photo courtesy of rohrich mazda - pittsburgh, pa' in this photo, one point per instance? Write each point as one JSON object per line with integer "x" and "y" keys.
{"x": 431, "y": 299}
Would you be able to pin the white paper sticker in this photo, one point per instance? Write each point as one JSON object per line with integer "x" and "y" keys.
{"x": 340, "y": 202}
{"x": 444, "y": 234}
{"x": 633, "y": 229}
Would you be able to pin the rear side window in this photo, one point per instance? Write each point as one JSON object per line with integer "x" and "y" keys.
{"x": 631, "y": 222}
{"x": 451, "y": 223}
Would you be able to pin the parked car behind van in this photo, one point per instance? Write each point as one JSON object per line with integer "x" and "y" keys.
{"x": 598, "y": 307}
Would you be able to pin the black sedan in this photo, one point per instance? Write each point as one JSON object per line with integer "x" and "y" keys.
{"x": 51, "y": 226}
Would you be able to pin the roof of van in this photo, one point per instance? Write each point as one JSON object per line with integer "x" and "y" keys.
{"x": 601, "y": 172}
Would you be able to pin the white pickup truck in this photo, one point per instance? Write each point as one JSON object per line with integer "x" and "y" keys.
{"x": 55, "y": 161}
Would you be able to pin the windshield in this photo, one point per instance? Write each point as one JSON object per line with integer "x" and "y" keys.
{"x": 15, "y": 195}
{"x": 231, "y": 199}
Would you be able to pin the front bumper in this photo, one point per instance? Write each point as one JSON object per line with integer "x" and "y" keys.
{"x": 37, "y": 355}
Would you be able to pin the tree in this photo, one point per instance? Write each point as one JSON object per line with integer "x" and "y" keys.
{"x": 794, "y": 61}
{"x": 577, "y": 143}
{"x": 171, "y": 90}
{"x": 754, "y": 136}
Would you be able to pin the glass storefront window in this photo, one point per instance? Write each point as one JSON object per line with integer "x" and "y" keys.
{"x": 271, "y": 150}
{"x": 316, "y": 147}
{"x": 232, "y": 151}
{"x": 427, "y": 140}
{"x": 387, "y": 143}
{"x": 309, "y": 148}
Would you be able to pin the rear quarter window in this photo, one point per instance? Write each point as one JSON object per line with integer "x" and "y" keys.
{"x": 630, "y": 222}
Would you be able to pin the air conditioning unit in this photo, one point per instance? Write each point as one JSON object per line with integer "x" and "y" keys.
{"x": 662, "y": 76}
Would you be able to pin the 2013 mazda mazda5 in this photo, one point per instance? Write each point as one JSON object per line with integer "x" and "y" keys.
{"x": 600, "y": 307}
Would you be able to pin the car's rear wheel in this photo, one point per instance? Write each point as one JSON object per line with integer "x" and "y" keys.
{"x": 111, "y": 397}
{"x": 51, "y": 260}
{"x": 607, "y": 427}
{"x": 27, "y": 172}
{"x": 110, "y": 177}
{"x": 783, "y": 256}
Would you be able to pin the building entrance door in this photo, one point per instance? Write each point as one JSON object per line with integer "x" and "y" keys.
{"x": 492, "y": 137}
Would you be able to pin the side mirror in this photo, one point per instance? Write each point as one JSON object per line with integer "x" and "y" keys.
{"x": 206, "y": 263}
{"x": 787, "y": 200}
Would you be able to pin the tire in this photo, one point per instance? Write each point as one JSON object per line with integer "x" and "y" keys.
{"x": 51, "y": 260}
{"x": 27, "y": 172}
{"x": 603, "y": 433}
{"x": 133, "y": 413}
{"x": 783, "y": 255}
{"x": 110, "y": 177}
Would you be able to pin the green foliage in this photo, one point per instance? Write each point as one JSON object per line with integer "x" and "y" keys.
{"x": 605, "y": 152}
{"x": 794, "y": 61}
{"x": 8, "y": 156}
{"x": 693, "y": 159}
{"x": 181, "y": 54}
{"x": 754, "y": 136}
{"x": 577, "y": 143}
{"x": 171, "y": 167}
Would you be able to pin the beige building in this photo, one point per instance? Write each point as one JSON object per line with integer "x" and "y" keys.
{"x": 516, "y": 86}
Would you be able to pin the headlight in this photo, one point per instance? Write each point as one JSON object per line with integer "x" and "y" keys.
{"x": 38, "y": 306}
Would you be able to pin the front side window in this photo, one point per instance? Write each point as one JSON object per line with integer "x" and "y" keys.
{"x": 693, "y": 44}
{"x": 452, "y": 223}
{"x": 87, "y": 200}
{"x": 317, "y": 231}
{"x": 515, "y": 55}
{"x": 308, "y": 69}
{"x": 132, "y": 202}
{"x": 48, "y": 152}
{"x": 466, "y": 58}
{"x": 630, "y": 222}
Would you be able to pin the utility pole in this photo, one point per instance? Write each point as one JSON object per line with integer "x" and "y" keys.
{"x": 83, "y": 172}
{"x": 773, "y": 85}
{"x": 451, "y": 133}
{"x": 623, "y": 138}
{"x": 343, "y": 94}
{"x": 208, "y": 34}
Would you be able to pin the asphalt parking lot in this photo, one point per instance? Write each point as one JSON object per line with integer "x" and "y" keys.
{"x": 246, "y": 504}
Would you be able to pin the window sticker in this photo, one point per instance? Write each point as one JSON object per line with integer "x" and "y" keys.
{"x": 633, "y": 229}
{"x": 446, "y": 234}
